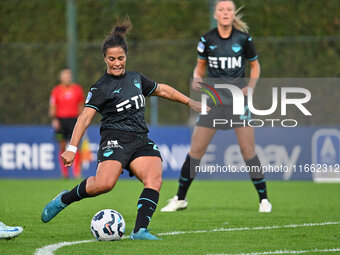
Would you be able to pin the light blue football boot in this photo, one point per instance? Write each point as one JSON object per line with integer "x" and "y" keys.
{"x": 9, "y": 232}
{"x": 143, "y": 234}
{"x": 53, "y": 208}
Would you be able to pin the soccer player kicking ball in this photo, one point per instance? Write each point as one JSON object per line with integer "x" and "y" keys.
{"x": 119, "y": 96}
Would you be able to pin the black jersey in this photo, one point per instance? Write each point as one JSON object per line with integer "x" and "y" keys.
{"x": 120, "y": 100}
{"x": 227, "y": 58}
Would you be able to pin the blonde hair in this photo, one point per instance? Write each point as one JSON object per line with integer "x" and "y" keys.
{"x": 238, "y": 23}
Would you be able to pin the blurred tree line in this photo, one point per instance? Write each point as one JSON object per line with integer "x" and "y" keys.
{"x": 293, "y": 39}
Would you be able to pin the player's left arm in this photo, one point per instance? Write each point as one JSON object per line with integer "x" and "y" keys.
{"x": 52, "y": 112}
{"x": 168, "y": 92}
{"x": 255, "y": 71}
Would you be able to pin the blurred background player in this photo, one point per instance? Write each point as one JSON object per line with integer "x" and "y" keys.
{"x": 66, "y": 103}
{"x": 7, "y": 232}
{"x": 229, "y": 40}
{"x": 119, "y": 96}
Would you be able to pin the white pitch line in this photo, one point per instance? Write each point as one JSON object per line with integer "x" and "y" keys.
{"x": 279, "y": 252}
{"x": 247, "y": 228}
{"x": 49, "y": 249}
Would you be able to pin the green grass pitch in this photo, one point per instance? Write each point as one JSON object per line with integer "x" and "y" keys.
{"x": 212, "y": 205}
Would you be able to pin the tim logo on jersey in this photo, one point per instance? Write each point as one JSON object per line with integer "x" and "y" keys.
{"x": 222, "y": 62}
{"x": 136, "y": 101}
{"x": 225, "y": 62}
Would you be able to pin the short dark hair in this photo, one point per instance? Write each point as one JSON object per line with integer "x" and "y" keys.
{"x": 117, "y": 36}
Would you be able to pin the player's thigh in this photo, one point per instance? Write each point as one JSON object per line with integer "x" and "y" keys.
{"x": 246, "y": 140}
{"x": 107, "y": 174}
{"x": 148, "y": 169}
{"x": 200, "y": 140}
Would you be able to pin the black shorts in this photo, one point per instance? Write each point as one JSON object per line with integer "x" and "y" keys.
{"x": 125, "y": 146}
{"x": 66, "y": 129}
{"x": 222, "y": 117}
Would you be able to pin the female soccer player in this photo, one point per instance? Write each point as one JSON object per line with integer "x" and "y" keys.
{"x": 119, "y": 97}
{"x": 224, "y": 50}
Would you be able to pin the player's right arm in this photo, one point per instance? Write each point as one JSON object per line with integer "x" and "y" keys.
{"x": 199, "y": 73}
{"x": 83, "y": 121}
{"x": 54, "y": 120}
{"x": 52, "y": 110}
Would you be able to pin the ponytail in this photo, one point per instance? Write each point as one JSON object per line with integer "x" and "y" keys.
{"x": 117, "y": 38}
{"x": 121, "y": 28}
{"x": 238, "y": 22}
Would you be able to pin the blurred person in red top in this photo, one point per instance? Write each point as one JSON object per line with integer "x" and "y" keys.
{"x": 66, "y": 103}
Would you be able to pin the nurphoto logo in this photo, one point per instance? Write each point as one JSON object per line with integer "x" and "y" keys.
{"x": 244, "y": 106}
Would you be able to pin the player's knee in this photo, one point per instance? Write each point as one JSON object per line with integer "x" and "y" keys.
{"x": 247, "y": 152}
{"x": 197, "y": 152}
{"x": 154, "y": 182}
{"x": 105, "y": 186}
